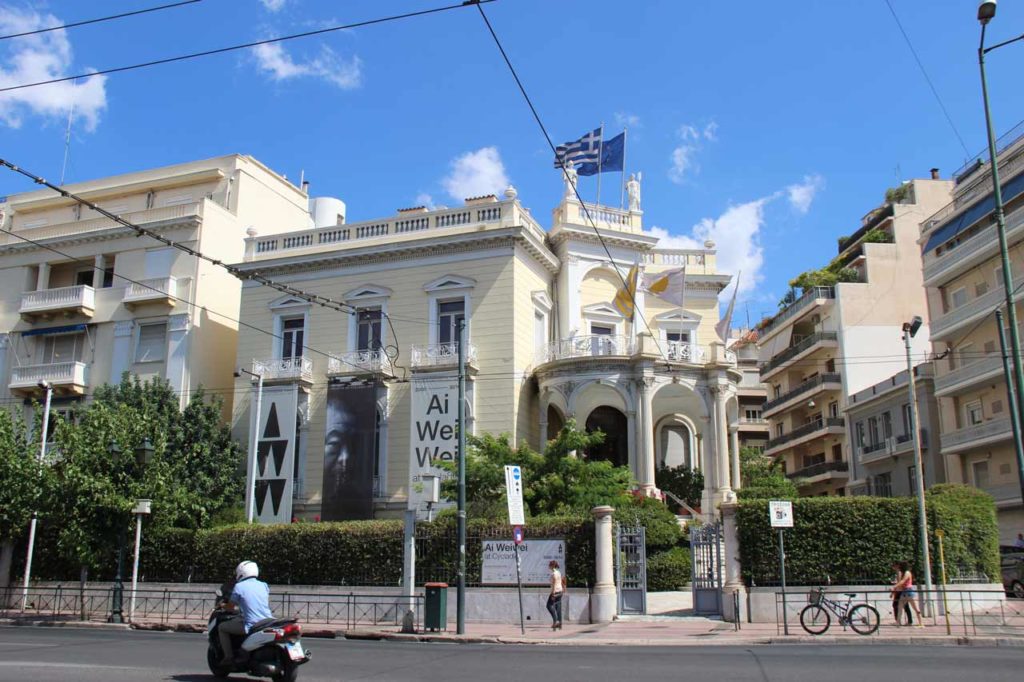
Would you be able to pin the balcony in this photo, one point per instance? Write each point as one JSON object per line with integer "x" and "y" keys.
{"x": 987, "y": 433}
{"x": 807, "y": 432}
{"x": 750, "y": 424}
{"x": 958, "y": 318}
{"x": 976, "y": 249}
{"x": 812, "y": 296}
{"x": 963, "y": 378}
{"x": 823, "y": 471}
{"x": 68, "y": 378}
{"x": 678, "y": 351}
{"x": 806, "y": 345}
{"x": 890, "y": 447}
{"x": 66, "y": 301}
{"x": 360, "y": 362}
{"x": 284, "y": 370}
{"x": 161, "y": 290}
{"x": 822, "y": 382}
{"x": 440, "y": 356}
{"x": 587, "y": 346}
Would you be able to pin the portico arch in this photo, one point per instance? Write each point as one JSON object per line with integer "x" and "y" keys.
{"x": 615, "y": 426}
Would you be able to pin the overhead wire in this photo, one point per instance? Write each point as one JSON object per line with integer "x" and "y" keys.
{"x": 242, "y": 46}
{"x": 98, "y": 20}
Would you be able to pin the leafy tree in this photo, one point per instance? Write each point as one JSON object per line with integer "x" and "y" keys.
{"x": 762, "y": 478}
{"x": 685, "y": 483}
{"x": 22, "y": 484}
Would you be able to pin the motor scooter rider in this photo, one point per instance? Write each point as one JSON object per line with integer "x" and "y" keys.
{"x": 252, "y": 597}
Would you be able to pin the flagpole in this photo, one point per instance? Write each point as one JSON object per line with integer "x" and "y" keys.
{"x": 600, "y": 153}
{"x": 682, "y": 303}
{"x": 622, "y": 178}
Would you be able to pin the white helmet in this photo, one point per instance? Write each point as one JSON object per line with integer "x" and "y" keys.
{"x": 246, "y": 569}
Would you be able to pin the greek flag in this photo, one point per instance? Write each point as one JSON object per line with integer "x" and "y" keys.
{"x": 587, "y": 149}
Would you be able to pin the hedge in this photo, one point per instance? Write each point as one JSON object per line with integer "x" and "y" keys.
{"x": 668, "y": 571}
{"x": 856, "y": 539}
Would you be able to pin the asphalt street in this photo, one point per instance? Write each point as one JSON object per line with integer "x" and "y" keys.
{"x": 70, "y": 654}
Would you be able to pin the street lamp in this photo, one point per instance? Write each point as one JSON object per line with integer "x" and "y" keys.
{"x": 142, "y": 507}
{"x": 909, "y": 331}
{"x": 986, "y": 12}
{"x": 250, "y": 487}
{"x": 143, "y": 456}
{"x": 48, "y": 388}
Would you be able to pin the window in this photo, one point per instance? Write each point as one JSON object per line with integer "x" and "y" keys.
{"x": 912, "y": 478}
{"x": 908, "y": 421}
{"x": 602, "y": 330}
{"x": 873, "y": 429}
{"x": 833, "y": 408}
{"x": 998, "y": 277}
{"x": 368, "y": 333}
{"x": 957, "y": 298}
{"x": 887, "y": 425}
{"x": 776, "y": 391}
{"x": 83, "y": 278}
{"x": 752, "y": 414}
{"x": 883, "y": 485}
{"x": 108, "y": 277}
{"x": 837, "y": 452}
{"x": 973, "y": 413}
{"x": 152, "y": 342}
{"x": 778, "y": 430}
{"x": 293, "y": 329}
{"x": 811, "y": 460}
{"x": 449, "y": 315}
{"x": 861, "y": 441}
{"x": 830, "y": 366}
{"x": 63, "y": 348}
{"x": 680, "y": 337}
{"x": 979, "y": 472}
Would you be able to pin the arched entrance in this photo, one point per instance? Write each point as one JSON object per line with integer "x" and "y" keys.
{"x": 555, "y": 423}
{"x": 614, "y": 425}
{"x": 676, "y": 447}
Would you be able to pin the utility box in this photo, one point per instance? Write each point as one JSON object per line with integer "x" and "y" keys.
{"x": 435, "y": 607}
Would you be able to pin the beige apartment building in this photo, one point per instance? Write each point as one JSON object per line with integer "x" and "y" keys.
{"x": 963, "y": 275}
{"x": 87, "y": 299}
{"x": 357, "y": 407}
{"x": 751, "y": 392}
{"x": 834, "y": 341}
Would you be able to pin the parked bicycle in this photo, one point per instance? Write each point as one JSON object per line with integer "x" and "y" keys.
{"x": 815, "y": 619}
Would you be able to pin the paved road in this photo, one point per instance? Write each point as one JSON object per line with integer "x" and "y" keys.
{"x": 64, "y": 654}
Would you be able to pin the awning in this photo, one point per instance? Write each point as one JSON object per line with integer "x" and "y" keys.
{"x": 1011, "y": 190}
{"x": 66, "y": 329}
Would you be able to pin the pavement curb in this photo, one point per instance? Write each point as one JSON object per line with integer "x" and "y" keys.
{"x": 78, "y": 624}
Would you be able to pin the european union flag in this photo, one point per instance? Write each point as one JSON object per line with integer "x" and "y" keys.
{"x": 613, "y": 153}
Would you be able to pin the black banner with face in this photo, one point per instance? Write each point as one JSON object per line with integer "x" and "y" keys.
{"x": 348, "y": 453}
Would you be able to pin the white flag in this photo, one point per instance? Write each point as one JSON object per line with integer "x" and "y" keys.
{"x": 726, "y": 322}
{"x": 668, "y": 285}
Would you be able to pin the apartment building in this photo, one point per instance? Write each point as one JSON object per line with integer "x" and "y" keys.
{"x": 833, "y": 341}
{"x": 356, "y": 409}
{"x": 880, "y": 426}
{"x": 751, "y": 393}
{"x": 84, "y": 299}
{"x": 964, "y": 280}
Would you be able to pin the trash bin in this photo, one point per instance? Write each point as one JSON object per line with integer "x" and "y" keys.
{"x": 435, "y": 607}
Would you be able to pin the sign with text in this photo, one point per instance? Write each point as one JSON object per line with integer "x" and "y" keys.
{"x": 499, "y": 561}
{"x": 434, "y": 435}
{"x": 275, "y": 454}
{"x": 514, "y": 495}
{"x": 780, "y": 513}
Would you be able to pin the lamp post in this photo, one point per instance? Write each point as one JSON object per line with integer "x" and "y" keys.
{"x": 986, "y": 12}
{"x": 48, "y": 387}
{"x": 909, "y": 331}
{"x": 143, "y": 455}
{"x": 142, "y": 507}
{"x": 250, "y": 485}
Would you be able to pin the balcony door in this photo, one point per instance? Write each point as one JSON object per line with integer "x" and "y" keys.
{"x": 293, "y": 332}
{"x": 368, "y": 333}
{"x": 449, "y": 315}
{"x": 62, "y": 348}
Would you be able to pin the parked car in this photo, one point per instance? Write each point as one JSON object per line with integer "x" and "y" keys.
{"x": 1011, "y": 562}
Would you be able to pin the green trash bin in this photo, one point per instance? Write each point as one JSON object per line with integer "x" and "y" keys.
{"x": 435, "y": 607}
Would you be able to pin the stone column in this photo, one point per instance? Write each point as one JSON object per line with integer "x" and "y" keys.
{"x": 43, "y": 277}
{"x": 121, "y": 353}
{"x": 177, "y": 355}
{"x": 736, "y": 482}
{"x": 543, "y": 422}
{"x": 604, "y": 596}
{"x": 733, "y": 577}
{"x": 723, "y": 490}
{"x": 99, "y": 263}
{"x": 646, "y": 467}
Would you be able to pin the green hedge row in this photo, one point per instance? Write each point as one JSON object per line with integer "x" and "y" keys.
{"x": 669, "y": 571}
{"x": 856, "y": 539}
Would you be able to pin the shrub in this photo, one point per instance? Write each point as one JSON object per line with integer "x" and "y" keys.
{"x": 661, "y": 526}
{"x": 967, "y": 517}
{"x": 685, "y": 483}
{"x": 669, "y": 570}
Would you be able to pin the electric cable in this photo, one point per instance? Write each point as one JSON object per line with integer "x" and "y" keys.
{"x": 98, "y": 20}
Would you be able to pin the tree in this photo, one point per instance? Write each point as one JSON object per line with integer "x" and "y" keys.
{"x": 685, "y": 483}
{"x": 22, "y": 484}
{"x": 762, "y": 478}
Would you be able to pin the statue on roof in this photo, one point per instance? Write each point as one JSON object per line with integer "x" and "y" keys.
{"x": 633, "y": 192}
{"x": 570, "y": 175}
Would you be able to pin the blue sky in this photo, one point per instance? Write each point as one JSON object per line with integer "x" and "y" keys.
{"x": 772, "y": 127}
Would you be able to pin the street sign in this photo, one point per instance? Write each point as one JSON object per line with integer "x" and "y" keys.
{"x": 514, "y": 495}
{"x": 780, "y": 513}
{"x": 517, "y": 534}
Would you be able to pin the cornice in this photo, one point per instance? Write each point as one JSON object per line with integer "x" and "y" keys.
{"x": 93, "y": 236}
{"x": 567, "y": 233}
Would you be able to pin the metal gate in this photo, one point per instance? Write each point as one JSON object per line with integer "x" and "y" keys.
{"x": 631, "y": 569}
{"x": 706, "y": 554}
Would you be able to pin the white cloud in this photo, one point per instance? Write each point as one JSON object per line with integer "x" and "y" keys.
{"x": 273, "y": 5}
{"x": 273, "y": 59}
{"x": 43, "y": 57}
{"x": 627, "y": 120}
{"x": 684, "y": 156}
{"x": 802, "y": 194}
{"x": 424, "y": 199}
{"x": 475, "y": 174}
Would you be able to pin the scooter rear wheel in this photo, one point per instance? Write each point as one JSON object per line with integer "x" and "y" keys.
{"x": 289, "y": 672}
{"x": 214, "y": 662}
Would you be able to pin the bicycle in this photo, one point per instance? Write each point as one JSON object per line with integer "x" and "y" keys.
{"x": 815, "y": 619}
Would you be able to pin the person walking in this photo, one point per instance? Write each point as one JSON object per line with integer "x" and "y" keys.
{"x": 896, "y": 606}
{"x": 555, "y": 596}
{"x": 907, "y": 591}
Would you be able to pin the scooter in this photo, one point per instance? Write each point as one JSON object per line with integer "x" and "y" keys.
{"x": 273, "y": 647}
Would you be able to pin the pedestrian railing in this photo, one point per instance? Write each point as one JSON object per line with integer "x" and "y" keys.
{"x": 168, "y": 606}
{"x": 944, "y": 611}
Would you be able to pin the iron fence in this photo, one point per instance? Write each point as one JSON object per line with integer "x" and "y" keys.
{"x": 949, "y": 611}
{"x": 168, "y": 606}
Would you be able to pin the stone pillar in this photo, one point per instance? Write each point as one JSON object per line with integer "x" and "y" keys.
{"x": 543, "y": 422}
{"x": 723, "y": 489}
{"x": 121, "y": 353}
{"x": 99, "y": 263}
{"x": 733, "y": 579}
{"x": 646, "y": 467}
{"x": 43, "y": 278}
{"x": 604, "y": 596}
{"x": 736, "y": 482}
{"x": 5, "y": 340}
{"x": 570, "y": 299}
{"x": 177, "y": 355}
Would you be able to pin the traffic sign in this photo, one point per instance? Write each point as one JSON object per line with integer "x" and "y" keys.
{"x": 517, "y": 534}
{"x": 514, "y": 495}
{"x": 780, "y": 513}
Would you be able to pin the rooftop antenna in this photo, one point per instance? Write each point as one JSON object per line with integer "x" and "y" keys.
{"x": 899, "y": 175}
{"x": 67, "y": 143}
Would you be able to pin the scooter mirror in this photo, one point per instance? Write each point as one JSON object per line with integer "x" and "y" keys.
{"x": 219, "y": 593}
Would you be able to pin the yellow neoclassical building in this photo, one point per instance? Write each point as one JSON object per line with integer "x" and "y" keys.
{"x": 358, "y": 399}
